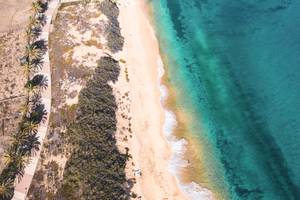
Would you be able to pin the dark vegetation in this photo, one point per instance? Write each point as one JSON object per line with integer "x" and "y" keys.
{"x": 25, "y": 141}
{"x": 96, "y": 168}
{"x": 115, "y": 40}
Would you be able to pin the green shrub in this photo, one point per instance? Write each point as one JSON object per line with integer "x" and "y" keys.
{"x": 115, "y": 40}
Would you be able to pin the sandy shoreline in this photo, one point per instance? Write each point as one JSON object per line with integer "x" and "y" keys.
{"x": 147, "y": 145}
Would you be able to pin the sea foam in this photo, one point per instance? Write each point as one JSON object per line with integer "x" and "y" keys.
{"x": 192, "y": 190}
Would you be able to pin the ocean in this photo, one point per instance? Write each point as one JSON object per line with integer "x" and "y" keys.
{"x": 234, "y": 66}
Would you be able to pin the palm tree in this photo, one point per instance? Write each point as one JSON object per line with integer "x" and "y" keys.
{"x": 6, "y": 189}
{"x": 16, "y": 139}
{"x": 31, "y": 87}
{"x": 34, "y": 22}
{"x": 25, "y": 144}
{"x": 33, "y": 52}
{"x": 32, "y": 33}
{"x": 28, "y": 66}
{"x": 16, "y": 162}
{"x": 37, "y": 6}
{"x": 24, "y": 110}
{"x": 30, "y": 127}
{"x": 30, "y": 144}
{"x": 9, "y": 155}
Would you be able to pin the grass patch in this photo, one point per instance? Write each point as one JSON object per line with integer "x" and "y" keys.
{"x": 93, "y": 42}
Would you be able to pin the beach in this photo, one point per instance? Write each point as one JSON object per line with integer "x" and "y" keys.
{"x": 150, "y": 151}
{"x": 149, "y": 100}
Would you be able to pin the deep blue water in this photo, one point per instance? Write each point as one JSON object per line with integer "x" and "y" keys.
{"x": 237, "y": 66}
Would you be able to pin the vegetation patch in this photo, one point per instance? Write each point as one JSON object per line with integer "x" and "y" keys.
{"x": 115, "y": 40}
{"x": 81, "y": 138}
{"x": 96, "y": 168}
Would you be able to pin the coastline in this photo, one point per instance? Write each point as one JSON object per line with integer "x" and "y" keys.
{"x": 185, "y": 110}
{"x": 191, "y": 164}
{"x": 184, "y": 163}
{"x": 182, "y": 159}
{"x": 151, "y": 153}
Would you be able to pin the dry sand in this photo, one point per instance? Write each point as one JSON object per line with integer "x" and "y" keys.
{"x": 148, "y": 147}
{"x": 13, "y": 21}
{"x": 14, "y": 14}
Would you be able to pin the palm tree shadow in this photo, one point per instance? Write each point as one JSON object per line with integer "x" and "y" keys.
{"x": 40, "y": 80}
{"x": 44, "y": 7}
{"x": 38, "y": 114}
{"x": 42, "y": 19}
{"x": 41, "y": 44}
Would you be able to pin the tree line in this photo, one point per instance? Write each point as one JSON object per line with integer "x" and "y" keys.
{"x": 24, "y": 143}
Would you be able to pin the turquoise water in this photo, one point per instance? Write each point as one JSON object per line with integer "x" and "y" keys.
{"x": 236, "y": 64}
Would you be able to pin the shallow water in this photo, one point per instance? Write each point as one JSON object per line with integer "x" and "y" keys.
{"x": 236, "y": 67}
